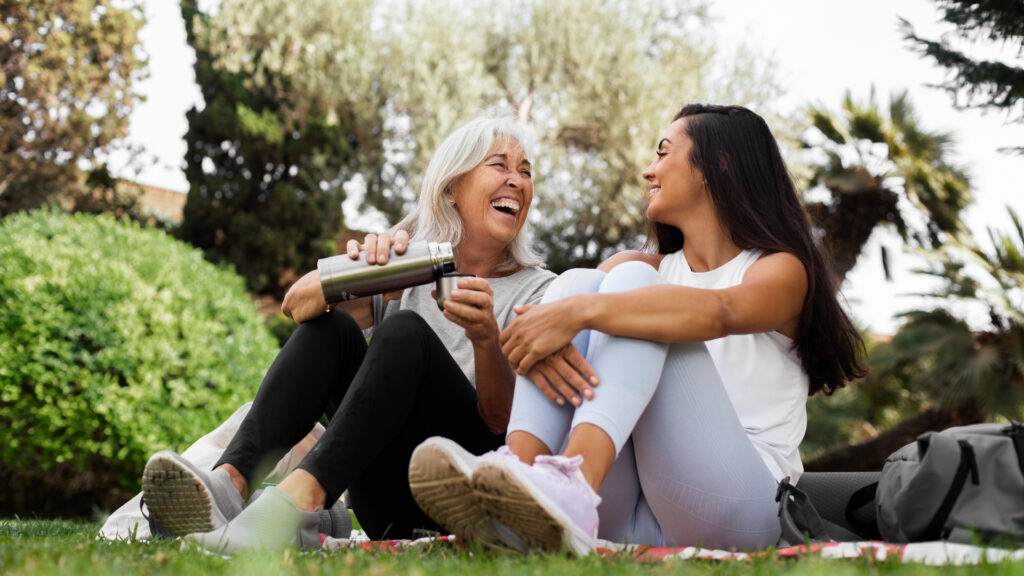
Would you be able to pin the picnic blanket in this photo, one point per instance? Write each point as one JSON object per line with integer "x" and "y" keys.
{"x": 929, "y": 553}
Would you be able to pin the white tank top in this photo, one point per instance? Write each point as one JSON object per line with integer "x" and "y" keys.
{"x": 761, "y": 372}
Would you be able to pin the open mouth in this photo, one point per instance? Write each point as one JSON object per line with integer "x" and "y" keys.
{"x": 506, "y": 205}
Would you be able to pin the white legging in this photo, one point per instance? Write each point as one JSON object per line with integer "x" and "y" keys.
{"x": 686, "y": 472}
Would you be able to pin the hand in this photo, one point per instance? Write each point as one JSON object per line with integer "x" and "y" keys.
{"x": 565, "y": 375}
{"x": 538, "y": 332}
{"x": 378, "y": 247}
{"x": 471, "y": 306}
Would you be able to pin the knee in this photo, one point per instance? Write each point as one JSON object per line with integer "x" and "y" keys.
{"x": 327, "y": 330}
{"x": 573, "y": 282}
{"x": 401, "y": 331}
{"x": 630, "y": 275}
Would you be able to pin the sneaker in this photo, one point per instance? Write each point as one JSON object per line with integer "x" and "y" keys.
{"x": 335, "y": 521}
{"x": 440, "y": 479}
{"x": 549, "y": 505}
{"x": 184, "y": 499}
{"x": 272, "y": 522}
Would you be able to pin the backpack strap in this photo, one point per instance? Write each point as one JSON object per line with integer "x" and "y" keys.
{"x": 967, "y": 466}
{"x": 1016, "y": 433}
{"x": 798, "y": 519}
{"x": 863, "y": 496}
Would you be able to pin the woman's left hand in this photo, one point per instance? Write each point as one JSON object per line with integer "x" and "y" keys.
{"x": 538, "y": 331}
{"x": 471, "y": 306}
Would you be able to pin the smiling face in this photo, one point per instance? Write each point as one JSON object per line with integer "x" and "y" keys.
{"x": 677, "y": 188}
{"x": 494, "y": 197}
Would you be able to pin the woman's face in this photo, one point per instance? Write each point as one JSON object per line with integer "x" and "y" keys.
{"x": 676, "y": 186}
{"x": 494, "y": 198}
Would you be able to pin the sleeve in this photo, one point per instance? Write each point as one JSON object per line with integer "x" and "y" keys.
{"x": 540, "y": 286}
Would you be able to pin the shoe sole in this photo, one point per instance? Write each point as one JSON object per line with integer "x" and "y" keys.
{"x": 512, "y": 499}
{"x": 177, "y": 498}
{"x": 443, "y": 489}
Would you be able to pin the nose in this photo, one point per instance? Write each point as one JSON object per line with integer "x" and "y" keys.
{"x": 648, "y": 173}
{"x": 515, "y": 180}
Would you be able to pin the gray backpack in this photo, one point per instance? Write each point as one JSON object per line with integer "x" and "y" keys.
{"x": 962, "y": 484}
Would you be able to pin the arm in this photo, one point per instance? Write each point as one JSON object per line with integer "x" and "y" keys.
{"x": 304, "y": 301}
{"x": 770, "y": 297}
{"x": 471, "y": 306}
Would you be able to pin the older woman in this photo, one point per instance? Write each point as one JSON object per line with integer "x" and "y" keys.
{"x": 423, "y": 373}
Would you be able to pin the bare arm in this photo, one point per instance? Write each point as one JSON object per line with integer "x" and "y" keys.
{"x": 770, "y": 297}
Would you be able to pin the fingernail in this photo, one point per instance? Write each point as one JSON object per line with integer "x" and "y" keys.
{"x": 588, "y": 394}
{"x": 593, "y": 380}
{"x": 560, "y": 402}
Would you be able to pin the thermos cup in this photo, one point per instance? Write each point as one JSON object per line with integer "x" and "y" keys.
{"x": 343, "y": 278}
{"x": 445, "y": 285}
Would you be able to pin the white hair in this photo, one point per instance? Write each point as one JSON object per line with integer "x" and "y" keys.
{"x": 464, "y": 149}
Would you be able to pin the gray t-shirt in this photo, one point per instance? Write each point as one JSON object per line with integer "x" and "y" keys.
{"x": 524, "y": 287}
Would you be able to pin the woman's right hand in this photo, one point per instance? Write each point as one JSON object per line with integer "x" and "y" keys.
{"x": 565, "y": 376}
{"x": 378, "y": 247}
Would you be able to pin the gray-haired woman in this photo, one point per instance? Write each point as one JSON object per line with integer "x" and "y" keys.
{"x": 423, "y": 373}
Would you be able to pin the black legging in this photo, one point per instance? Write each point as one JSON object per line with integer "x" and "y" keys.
{"x": 382, "y": 401}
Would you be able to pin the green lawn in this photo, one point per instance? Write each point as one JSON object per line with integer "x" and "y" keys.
{"x": 69, "y": 547}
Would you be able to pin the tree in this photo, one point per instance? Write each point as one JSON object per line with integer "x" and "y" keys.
{"x": 937, "y": 371}
{"x": 293, "y": 110}
{"x": 67, "y": 70}
{"x": 979, "y": 82}
{"x": 869, "y": 169}
{"x": 599, "y": 87}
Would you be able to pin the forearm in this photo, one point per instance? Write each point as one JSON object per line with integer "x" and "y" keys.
{"x": 662, "y": 313}
{"x": 495, "y": 382}
{"x": 305, "y": 301}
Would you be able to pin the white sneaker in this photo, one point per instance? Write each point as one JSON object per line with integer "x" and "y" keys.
{"x": 441, "y": 481}
{"x": 185, "y": 499}
{"x": 549, "y": 505}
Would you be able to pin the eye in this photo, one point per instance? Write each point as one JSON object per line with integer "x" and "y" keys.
{"x": 661, "y": 153}
{"x": 526, "y": 173}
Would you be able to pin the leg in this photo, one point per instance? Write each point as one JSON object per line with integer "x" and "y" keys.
{"x": 630, "y": 370}
{"x": 308, "y": 378}
{"x": 702, "y": 477}
{"x": 538, "y": 425}
{"x": 408, "y": 389}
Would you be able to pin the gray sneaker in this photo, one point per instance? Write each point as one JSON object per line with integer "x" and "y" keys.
{"x": 185, "y": 499}
{"x": 272, "y": 522}
{"x": 440, "y": 479}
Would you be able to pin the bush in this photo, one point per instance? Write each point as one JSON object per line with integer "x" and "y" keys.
{"x": 117, "y": 342}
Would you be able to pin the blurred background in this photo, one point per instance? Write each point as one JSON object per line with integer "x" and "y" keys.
{"x": 167, "y": 169}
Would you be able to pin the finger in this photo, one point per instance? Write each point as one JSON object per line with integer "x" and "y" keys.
{"x": 370, "y": 246}
{"x": 528, "y": 359}
{"x": 522, "y": 308}
{"x": 580, "y": 364}
{"x": 352, "y": 249}
{"x": 383, "y": 248}
{"x": 401, "y": 240}
{"x": 473, "y": 298}
{"x": 544, "y": 386}
{"x": 571, "y": 377}
{"x": 559, "y": 383}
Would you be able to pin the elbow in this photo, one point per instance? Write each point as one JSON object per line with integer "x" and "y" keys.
{"x": 722, "y": 322}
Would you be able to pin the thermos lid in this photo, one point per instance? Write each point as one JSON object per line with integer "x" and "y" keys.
{"x": 446, "y": 256}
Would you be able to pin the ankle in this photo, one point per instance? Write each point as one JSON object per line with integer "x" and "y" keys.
{"x": 237, "y": 480}
{"x": 526, "y": 446}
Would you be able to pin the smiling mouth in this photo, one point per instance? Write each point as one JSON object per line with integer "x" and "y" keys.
{"x": 508, "y": 206}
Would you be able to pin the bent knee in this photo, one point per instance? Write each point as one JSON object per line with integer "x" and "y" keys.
{"x": 572, "y": 282}
{"x": 630, "y": 275}
{"x": 402, "y": 328}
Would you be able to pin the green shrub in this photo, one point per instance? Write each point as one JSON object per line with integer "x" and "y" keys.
{"x": 115, "y": 342}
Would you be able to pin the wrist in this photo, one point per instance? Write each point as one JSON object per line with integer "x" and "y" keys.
{"x": 582, "y": 311}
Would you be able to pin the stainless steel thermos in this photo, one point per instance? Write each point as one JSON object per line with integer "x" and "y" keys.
{"x": 343, "y": 278}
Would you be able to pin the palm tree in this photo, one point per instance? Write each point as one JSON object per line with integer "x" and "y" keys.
{"x": 939, "y": 370}
{"x": 870, "y": 170}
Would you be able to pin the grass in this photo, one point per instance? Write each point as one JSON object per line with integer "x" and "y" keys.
{"x": 70, "y": 547}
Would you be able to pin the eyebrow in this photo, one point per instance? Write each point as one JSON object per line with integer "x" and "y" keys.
{"x": 662, "y": 141}
{"x": 504, "y": 156}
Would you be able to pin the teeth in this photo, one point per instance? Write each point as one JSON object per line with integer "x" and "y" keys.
{"x": 506, "y": 205}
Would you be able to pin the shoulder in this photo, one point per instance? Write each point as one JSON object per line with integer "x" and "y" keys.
{"x": 630, "y": 256}
{"x": 778, "y": 267}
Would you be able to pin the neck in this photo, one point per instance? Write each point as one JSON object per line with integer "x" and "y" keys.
{"x": 708, "y": 244}
{"x": 477, "y": 261}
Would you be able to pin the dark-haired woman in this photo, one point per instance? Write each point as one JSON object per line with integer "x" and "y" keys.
{"x": 705, "y": 350}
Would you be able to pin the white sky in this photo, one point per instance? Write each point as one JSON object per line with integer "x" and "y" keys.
{"x": 822, "y": 49}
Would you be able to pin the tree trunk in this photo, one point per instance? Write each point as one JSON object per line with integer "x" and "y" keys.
{"x": 871, "y": 454}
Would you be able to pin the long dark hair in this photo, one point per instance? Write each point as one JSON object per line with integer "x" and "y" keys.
{"x": 755, "y": 198}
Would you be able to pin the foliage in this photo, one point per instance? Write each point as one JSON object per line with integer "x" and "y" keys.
{"x": 118, "y": 341}
{"x": 67, "y": 73}
{"x": 292, "y": 111}
{"x": 980, "y": 82}
{"x": 871, "y": 168}
{"x": 599, "y": 87}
